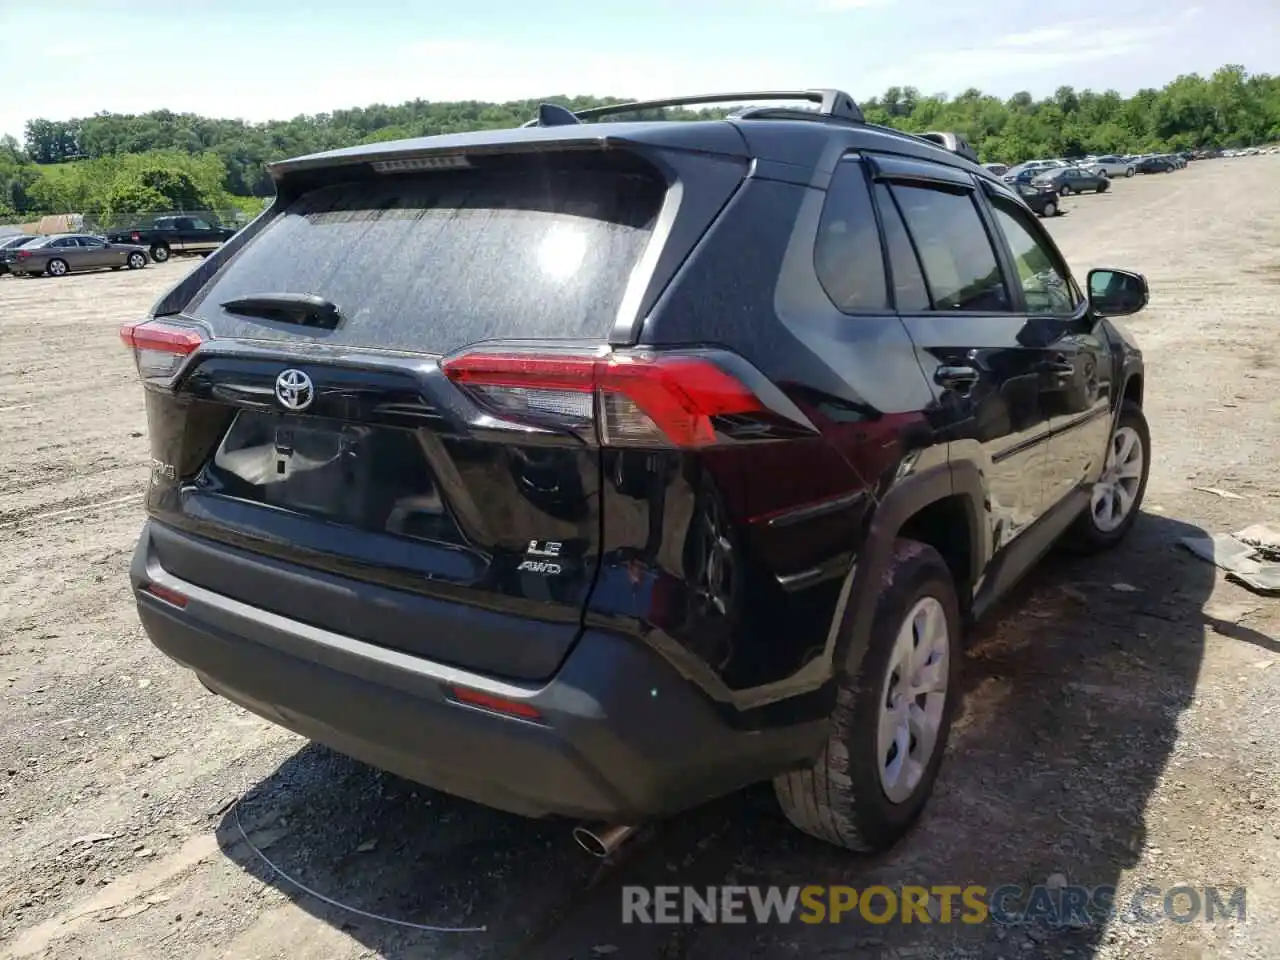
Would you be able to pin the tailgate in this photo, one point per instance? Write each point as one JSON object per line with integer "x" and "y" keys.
{"x": 333, "y": 474}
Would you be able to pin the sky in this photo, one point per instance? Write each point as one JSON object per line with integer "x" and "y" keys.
{"x": 269, "y": 59}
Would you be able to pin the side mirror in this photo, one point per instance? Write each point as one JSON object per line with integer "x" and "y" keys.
{"x": 1117, "y": 293}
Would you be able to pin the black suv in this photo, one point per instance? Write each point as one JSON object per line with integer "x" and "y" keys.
{"x": 600, "y": 469}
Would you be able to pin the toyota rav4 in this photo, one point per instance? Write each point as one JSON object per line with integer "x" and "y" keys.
{"x": 598, "y": 469}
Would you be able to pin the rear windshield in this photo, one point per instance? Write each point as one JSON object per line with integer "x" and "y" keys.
{"x": 432, "y": 262}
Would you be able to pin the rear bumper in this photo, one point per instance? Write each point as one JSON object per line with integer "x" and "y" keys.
{"x": 621, "y": 736}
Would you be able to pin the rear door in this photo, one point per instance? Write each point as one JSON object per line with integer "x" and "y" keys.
{"x": 68, "y": 249}
{"x": 196, "y": 236}
{"x": 439, "y": 515}
{"x": 972, "y": 336}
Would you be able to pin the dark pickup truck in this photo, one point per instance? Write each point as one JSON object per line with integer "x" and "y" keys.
{"x": 165, "y": 236}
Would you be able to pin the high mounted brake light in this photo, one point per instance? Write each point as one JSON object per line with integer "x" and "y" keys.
{"x": 159, "y": 348}
{"x": 629, "y": 399}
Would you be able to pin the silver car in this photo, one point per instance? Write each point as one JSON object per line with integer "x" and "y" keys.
{"x": 1112, "y": 165}
{"x": 65, "y": 253}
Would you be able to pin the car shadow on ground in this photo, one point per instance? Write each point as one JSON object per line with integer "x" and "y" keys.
{"x": 1073, "y": 694}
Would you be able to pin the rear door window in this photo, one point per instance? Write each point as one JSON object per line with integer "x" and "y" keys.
{"x": 959, "y": 262}
{"x": 432, "y": 262}
{"x": 910, "y": 294}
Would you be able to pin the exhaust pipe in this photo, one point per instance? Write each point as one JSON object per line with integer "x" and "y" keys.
{"x": 604, "y": 841}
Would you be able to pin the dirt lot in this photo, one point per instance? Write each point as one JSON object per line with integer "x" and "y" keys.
{"x": 1113, "y": 736}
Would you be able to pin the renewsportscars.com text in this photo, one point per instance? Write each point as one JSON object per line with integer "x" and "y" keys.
{"x": 1062, "y": 905}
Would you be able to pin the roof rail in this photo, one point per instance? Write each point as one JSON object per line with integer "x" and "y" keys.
{"x": 954, "y": 142}
{"x": 832, "y": 104}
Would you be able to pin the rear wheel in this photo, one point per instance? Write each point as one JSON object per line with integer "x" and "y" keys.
{"x": 892, "y": 718}
{"x": 1102, "y": 187}
{"x": 159, "y": 253}
{"x": 1128, "y": 172}
{"x": 1117, "y": 496}
{"x": 1050, "y": 209}
{"x": 57, "y": 268}
{"x": 1065, "y": 190}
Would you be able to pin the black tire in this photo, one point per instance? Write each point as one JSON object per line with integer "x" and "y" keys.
{"x": 1050, "y": 209}
{"x": 57, "y": 267}
{"x": 1102, "y": 187}
{"x": 1085, "y": 535}
{"x": 1129, "y": 171}
{"x": 840, "y": 798}
{"x": 160, "y": 252}
{"x": 136, "y": 261}
{"x": 1065, "y": 190}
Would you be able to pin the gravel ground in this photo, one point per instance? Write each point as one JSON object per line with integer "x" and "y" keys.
{"x": 1111, "y": 736}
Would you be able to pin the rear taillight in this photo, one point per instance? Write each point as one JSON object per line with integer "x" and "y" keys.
{"x": 23, "y": 254}
{"x": 159, "y": 348}
{"x": 617, "y": 399}
{"x": 135, "y": 236}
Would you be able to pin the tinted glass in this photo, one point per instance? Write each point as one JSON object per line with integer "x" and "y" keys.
{"x": 847, "y": 254}
{"x": 1046, "y": 289}
{"x": 433, "y": 262}
{"x": 958, "y": 259}
{"x": 910, "y": 295}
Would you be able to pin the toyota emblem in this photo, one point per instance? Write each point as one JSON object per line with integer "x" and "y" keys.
{"x": 294, "y": 390}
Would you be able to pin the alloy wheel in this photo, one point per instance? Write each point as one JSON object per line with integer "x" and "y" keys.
{"x": 1116, "y": 491}
{"x": 915, "y": 696}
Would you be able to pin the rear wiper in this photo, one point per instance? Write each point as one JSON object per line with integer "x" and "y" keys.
{"x": 304, "y": 309}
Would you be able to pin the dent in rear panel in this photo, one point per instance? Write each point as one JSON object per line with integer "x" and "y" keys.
{"x": 692, "y": 561}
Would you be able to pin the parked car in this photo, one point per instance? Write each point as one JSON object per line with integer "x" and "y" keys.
{"x": 1069, "y": 180}
{"x": 64, "y": 253}
{"x": 165, "y": 236}
{"x": 1154, "y": 165}
{"x": 1114, "y": 166}
{"x": 601, "y": 524}
{"x": 1019, "y": 176}
{"x": 1043, "y": 200}
{"x": 9, "y": 249}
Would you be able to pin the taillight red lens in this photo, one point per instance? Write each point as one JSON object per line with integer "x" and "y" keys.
{"x": 487, "y": 701}
{"x": 135, "y": 236}
{"x": 24, "y": 254}
{"x": 632, "y": 399}
{"x": 159, "y": 348}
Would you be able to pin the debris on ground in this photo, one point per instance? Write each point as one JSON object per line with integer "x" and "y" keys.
{"x": 1251, "y": 556}
{"x": 1219, "y": 492}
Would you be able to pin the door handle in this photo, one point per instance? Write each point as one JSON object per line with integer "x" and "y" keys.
{"x": 955, "y": 376}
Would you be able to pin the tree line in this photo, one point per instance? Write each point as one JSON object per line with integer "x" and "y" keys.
{"x": 117, "y": 163}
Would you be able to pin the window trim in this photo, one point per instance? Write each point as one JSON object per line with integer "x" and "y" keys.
{"x": 1013, "y": 295}
{"x": 911, "y": 242}
{"x": 890, "y": 308}
{"x": 911, "y": 170}
{"x": 1037, "y": 230}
